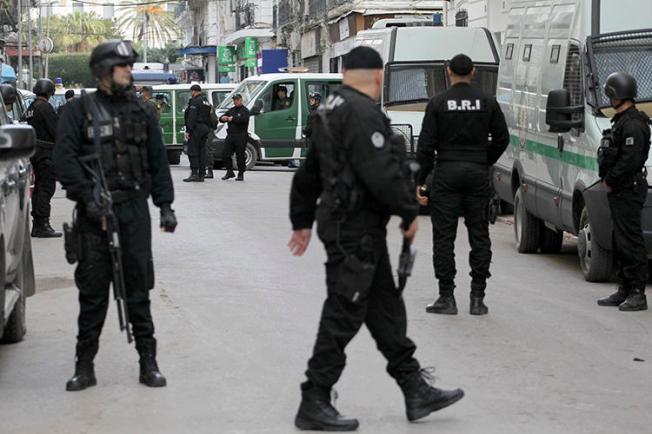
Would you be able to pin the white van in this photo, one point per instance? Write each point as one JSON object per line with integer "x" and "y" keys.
{"x": 556, "y": 57}
{"x": 416, "y": 58}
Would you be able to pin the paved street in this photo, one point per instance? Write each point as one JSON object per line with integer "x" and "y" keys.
{"x": 236, "y": 318}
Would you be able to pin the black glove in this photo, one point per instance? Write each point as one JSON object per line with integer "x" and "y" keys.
{"x": 93, "y": 211}
{"x": 168, "y": 219}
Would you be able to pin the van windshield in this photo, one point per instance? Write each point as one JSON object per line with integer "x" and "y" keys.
{"x": 249, "y": 91}
{"x": 417, "y": 83}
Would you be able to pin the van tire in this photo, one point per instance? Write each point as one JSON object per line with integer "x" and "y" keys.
{"x": 550, "y": 241}
{"x": 174, "y": 157}
{"x": 527, "y": 228}
{"x": 596, "y": 262}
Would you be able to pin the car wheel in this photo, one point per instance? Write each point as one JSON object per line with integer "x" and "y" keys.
{"x": 16, "y": 328}
{"x": 596, "y": 262}
{"x": 527, "y": 228}
{"x": 550, "y": 240}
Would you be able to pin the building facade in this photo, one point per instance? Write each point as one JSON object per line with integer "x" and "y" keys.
{"x": 491, "y": 14}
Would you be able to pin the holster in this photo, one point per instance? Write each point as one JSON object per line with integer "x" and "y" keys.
{"x": 72, "y": 242}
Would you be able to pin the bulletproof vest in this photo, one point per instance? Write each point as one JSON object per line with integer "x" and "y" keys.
{"x": 42, "y": 137}
{"x": 123, "y": 143}
{"x": 620, "y": 140}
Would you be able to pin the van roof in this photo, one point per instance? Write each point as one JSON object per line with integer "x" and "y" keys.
{"x": 204, "y": 86}
{"x": 302, "y": 75}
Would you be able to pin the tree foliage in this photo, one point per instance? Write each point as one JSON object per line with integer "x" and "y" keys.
{"x": 72, "y": 68}
{"x": 80, "y": 32}
{"x": 161, "y": 27}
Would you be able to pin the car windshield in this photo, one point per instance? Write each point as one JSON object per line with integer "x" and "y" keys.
{"x": 57, "y": 101}
{"x": 249, "y": 90}
{"x": 417, "y": 83}
{"x": 632, "y": 55}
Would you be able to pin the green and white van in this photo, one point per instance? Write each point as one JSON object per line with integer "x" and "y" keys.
{"x": 276, "y": 134}
{"x": 556, "y": 57}
{"x": 175, "y": 101}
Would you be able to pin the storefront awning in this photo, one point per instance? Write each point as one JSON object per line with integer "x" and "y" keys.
{"x": 239, "y": 36}
{"x": 198, "y": 51}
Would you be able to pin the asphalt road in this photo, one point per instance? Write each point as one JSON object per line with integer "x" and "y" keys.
{"x": 236, "y": 318}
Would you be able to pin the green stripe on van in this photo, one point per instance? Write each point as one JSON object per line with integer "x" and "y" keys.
{"x": 572, "y": 158}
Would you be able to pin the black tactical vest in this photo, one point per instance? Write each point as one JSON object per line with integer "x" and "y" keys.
{"x": 123, "y": 144}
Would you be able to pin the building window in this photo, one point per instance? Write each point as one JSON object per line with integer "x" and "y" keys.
{"x": 554, "y": 53}
{"x": 462, "y": 19}
{"x": 509, "y": 51}
{"x": 527, "y": 52}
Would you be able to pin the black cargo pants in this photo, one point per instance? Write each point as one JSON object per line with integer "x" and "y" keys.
{"x": 460, "y": 189}
{"x": 626, "y": 205}
{"x": 197, "y": 147}
{"x": 382, "y": 310}
{"x": 45, "y": 185}
{"x": 94, "y": 273}
{"x": 235, "y": 143}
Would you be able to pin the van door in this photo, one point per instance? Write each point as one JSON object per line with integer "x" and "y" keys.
{"x": 324, "y": 88}
{"x": 278, "y": 121}
{"x": 166, "y": 120}
{"x": 181, "y": 97}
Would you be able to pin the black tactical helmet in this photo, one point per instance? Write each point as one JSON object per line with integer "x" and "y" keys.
{"x": 44, "y": 87}
{"x": 109, "y": 54}
{"x": 315, "y": 95}
{"x": 8, "y": 94}
{"x": 620, "y": 85}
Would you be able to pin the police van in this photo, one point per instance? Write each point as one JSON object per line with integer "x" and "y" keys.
{"x": 556, "y": 57}
{"x": 173, "y": 101}
{"x": 416, "y": 57}
{"x": 276, "y": 130}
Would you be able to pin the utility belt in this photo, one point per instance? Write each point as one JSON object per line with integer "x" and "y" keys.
{"x": 458, "y": 155}
{"x": 121, "y": 196}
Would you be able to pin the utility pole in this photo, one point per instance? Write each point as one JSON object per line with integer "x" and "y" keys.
{"x": 20, "y": 43}
{"x": 29, "y": 41}
{"x": 145, "y": 29}
{"x": 47, "y": 33}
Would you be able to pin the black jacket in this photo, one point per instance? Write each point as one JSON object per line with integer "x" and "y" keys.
{"x": 363, "y": 132}
{"x": 70, "y": 140}
{"x": 457, "y": 126}
{"x": 43, "y": 118}
{"x": 631, "y": 130}
{"x": 198, "y": 112}
{"x": 240, "y": 122}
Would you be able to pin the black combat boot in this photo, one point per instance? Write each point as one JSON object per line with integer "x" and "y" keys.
{"x": 316, "y": 413}
{"x": 636, "y": 300}
{"x": 84, "y": 370}
{"x": 477, "y": 306}
{"x": 209, "y": 173}
{"x": 193, "y": 176}
{"x": 421, "y": 398}
{"x": 240, "y": 176}
{"x": 149, "y": 373}
{"x": 445, "y": 304}
{"x": 615, "y": 299}
{"x": 229, "y": 175}
{"x": 41, "y": 229}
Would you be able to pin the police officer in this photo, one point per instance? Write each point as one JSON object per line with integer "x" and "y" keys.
{"x": 8, "y": 93}
{"x": 626, "y": 186}
{"x": 68, "y": 96}
{"x": 314, "y": 99}
{"x": 135, "y": 166}
{"x": 455, "y": 134}
{"x": 146, "y": 93}
{"x": 197, "y": 117}
{"x": 351, "y": 182}
{"x": 42, "y": 116}
{"x": 237, "y": 118}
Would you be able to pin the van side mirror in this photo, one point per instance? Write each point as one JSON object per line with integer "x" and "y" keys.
{"x": 17, "y": 141}
{"x": 257, "y": 108}
{"x": 559, "y": 112}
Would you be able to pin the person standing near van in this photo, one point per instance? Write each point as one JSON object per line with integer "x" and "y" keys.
{"x": 68, "y": 96}
{"x": 42, "y": 116}
{"x": 146, "y": 93}
{"x": 456, "y": 128}
{"x": 626, "y": 186}
{"x": 197, "y": 117}
{"x": 237, "y": 118}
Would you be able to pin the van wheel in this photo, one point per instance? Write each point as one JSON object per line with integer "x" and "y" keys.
{"x": 527, "y": 227}
{"x": 251, "y": 157}
{"x": 174, "y": 157}
{"x": 550, "y": 241}
{"x": 16, "y": 328}
{"x": 595, "y": 261}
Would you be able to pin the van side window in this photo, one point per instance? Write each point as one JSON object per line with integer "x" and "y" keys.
{"x": 527, "y": 52}
{"x": 573, "y": 76}
{"x": 323, "y": 88}
{"x": 280, "y": 96}
{"x": 554, "y": 53}
{"x": 509, "y": 51}
{"x": 163, "y": 102}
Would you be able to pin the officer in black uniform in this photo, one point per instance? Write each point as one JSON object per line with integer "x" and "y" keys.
{"x": 314, "y": 100}
{"x": 455, "y": 134}
{"x": 627, "y": 188}
{"x": 237, "y": 118}
{"x": 135, "y": 166}
{"x": 8, "y": 93}
{"x": 68, "y": 96}
{"x": 353, "y": 180}
{"x": 197, "y": 117}
{"x": 42, "y": 116}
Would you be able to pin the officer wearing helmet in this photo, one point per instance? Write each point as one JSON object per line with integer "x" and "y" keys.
{"x": 135, "y": 165}
{"x": 8, "y": 93}
{"x": 624, "y": 179}
{"x": 314, "y": 99}
{"x": 42, "y": 116}
{"x": 197, "y": 120}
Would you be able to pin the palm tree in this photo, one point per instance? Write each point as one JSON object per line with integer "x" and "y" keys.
{"x": 161, "y": 27}
{"x": 85, "y": 29}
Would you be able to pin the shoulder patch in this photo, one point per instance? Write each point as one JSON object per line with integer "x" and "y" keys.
{"x": 629, "y": 141}
{"x": 378, "y": 140}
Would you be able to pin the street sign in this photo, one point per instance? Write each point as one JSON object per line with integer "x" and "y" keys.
{"x": 45, "y": 45}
